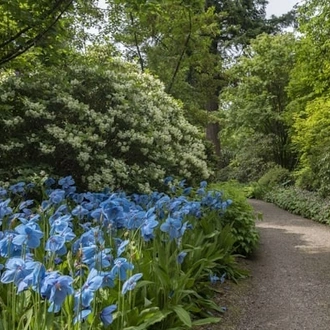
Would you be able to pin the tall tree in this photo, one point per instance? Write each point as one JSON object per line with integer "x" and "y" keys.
{"x": 310, "y": 93}
{"x": 255, "y": 103}
{"x": 185, "y": 43}
{"x": 40, "y": 25}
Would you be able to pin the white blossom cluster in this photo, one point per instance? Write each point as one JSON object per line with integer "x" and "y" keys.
{"x": 109, "y": 125}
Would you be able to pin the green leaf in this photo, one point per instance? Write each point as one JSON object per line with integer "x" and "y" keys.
{"x": 207, "y": 320}
{"x": 183, "y": 315}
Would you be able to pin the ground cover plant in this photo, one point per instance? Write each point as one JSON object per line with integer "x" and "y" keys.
{"x": 91, "y": 260}
{"x": 308, "y": 204}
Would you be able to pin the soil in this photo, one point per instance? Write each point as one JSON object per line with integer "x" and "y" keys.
{"x": 289, "y": 287}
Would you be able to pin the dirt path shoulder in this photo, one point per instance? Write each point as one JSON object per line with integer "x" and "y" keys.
{"x": 290, "y": 284}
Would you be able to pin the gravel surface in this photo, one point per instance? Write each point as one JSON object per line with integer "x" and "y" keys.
{"x": 289, "y": 288}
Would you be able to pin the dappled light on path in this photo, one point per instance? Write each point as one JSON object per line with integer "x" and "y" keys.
{"x": 290, "y": 286}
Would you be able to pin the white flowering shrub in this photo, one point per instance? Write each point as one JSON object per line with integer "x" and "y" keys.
{"x": 107, "y": 125}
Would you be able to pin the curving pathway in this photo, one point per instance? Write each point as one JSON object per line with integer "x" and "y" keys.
{"x": 290, "y": 284}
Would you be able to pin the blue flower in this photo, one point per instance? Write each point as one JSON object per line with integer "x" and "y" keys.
{"x": 121, "y": 265}
{"x": 203, "y": 184}
{"x": 7, "y": 247}
{"x": 82, "y": 315}
{"x": 68, "y": 234}
{"x": 184, "y": 227}
{"x": 3, "y": 192}
{"x": 25, "y": 204}
{"x": 57, "y": 196}
{"x": 214, "y": 278}
{"x": 17, "y": 188}
{"x": 108, "y": 279}
{"x": 5, "y": 209}
{"x": 182, "y": 183}
{"x": 172, "y": 227}
{"x": 167, "y": 180}
{"x": 28, "y": 235}
{"x": 187, "y": 191}
{"x": 85, "y": 295}
{"x": 181, "y": 257}
{"x": 34, "y": 279}
{"x": 45, "y": 205}
{"x": 95, "y": 258}
{"x": 47, "y": 283}
{"x": 130, "y": 284}
{"x": 55, "y": 243}
{"x": 62, "y": 287}
{"x": 121, "y": 247}
{"x": 135, "y": 218}
{"x": 49, "y": 182}
{"x": 60, "y": 224}
{"x": 66, "y": 182}
{"x": 106, "y": 315}
{"x": 79, "y": 212}
{"x": 17, "y": 270}
{"x": 147, "y": 228}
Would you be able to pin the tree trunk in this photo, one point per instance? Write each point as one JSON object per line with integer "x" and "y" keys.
{"x": 212, "y": 128}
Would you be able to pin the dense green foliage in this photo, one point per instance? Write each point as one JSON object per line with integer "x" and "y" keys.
{"x": 241, "y": 217}
{"x": 271, "y": 180}
{"x": 33, "y": 31}
{"x": 276, "y": 109}
{"x": 254, "y": 108}
{"x": 187, "y": 44}
{"x": 102, "y": 121}
{"x": 301, "y": 202}
{"x": 275, "y": 176}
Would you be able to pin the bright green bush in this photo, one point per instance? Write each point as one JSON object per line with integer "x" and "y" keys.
{"x": 240, "y": 216}
{"x": 312, "y": 138}
{"x": 105, "y": 123}
{"x": 255, "y": 190}
{"x": 274, "y": 176}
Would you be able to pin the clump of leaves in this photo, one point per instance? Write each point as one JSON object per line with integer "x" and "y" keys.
{"x": 301, "y": 202}
{"x": 241, "y": 217}
{"x": 276, "y": 175}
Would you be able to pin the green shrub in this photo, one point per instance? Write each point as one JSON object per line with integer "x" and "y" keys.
{"x": 105, "y": 123}
{"x": 301, "y": 202}
{"x": 274, "y": 176}
{"x": 240, "y": 216}
{"x": 256, "y": 190}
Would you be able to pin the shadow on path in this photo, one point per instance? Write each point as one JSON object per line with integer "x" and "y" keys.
{"x": 290, "y": 285}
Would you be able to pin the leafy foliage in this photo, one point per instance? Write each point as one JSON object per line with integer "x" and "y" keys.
{"x": 312, "y": 138}
{"x": 44, "y": 31}
{"x": 241, "y": 217}
{"x": 101, "y": 120}
{"x": 301, "y": 202}
{"x": 275, "y": 176}
{"x": 254, "y": 106}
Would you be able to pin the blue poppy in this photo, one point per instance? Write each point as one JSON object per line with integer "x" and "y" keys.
{"x": 62, "y": 287}
{"x": 28, "y": 235}
{"x": 121, "y": 266}
{"x": 16, "y": 270}
{"x": 106, "y": 315}
{"x": 130, "y": 284}
{"x": 181, "y": 257}
{"x": 82, "y": 315}
{"x": 85, "y": 295}
{"x": 172, "y": 227}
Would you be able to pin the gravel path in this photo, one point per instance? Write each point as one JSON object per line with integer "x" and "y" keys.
{"x": 290, "y": 284}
